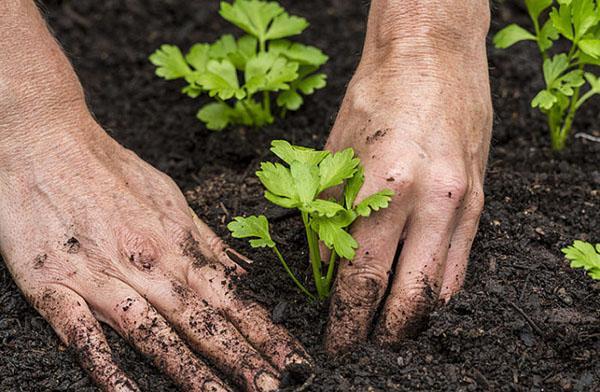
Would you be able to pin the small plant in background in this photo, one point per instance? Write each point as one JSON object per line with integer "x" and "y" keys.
{"x": 565, "y": 74}
{"x": 243, "y": 74}
{"x": 584, "y": 255}
{"x": 298, "y": 185}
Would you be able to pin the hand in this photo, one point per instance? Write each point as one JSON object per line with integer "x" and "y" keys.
{"x": 92, "y": 233}
{"x": 418, "y": 113}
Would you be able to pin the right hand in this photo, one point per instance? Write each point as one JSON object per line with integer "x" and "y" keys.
{"x": 92, "y": 233}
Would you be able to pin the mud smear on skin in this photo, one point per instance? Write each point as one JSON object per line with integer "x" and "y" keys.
{"x": 377, "y": 135}
{"x": 191, "y": 248}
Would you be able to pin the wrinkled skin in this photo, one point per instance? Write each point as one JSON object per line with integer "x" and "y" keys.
{"x": 418, "y": 113}
{"x": 91, "y": 234}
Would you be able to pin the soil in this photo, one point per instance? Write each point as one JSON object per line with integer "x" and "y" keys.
{"x": 524, "y": 321}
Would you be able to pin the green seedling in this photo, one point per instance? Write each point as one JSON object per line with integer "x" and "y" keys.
{"x": 584, "y": 255}
{"x": 259, "y": 64}
{"x": 297, "y": 184}
{"x": 566, "y": 74}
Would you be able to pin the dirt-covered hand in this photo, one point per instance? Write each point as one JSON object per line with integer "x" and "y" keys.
{"x": 92, "y": 233}
{"x": 418, "y": 113}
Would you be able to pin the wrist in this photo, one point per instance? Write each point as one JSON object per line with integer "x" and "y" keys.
{"x": 422, "y": 32}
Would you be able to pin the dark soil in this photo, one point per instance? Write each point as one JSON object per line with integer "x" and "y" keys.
{"x": 525, "y": 320}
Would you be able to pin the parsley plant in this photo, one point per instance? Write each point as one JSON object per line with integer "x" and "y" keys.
{"x": 565, "y": 74}
{"x": 235, "y": 71}
{"x": 583, "y": 255}
{"x": 298, "y": 185}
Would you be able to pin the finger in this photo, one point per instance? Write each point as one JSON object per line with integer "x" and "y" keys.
{"x": 208, "y": 332}
{"x": 70, "y": 317}
{"x": 220, "y": 250}
{"x": 418, "y": 276}
{"x": 361, "y": 283}
{"x": 138, "y": 322}
{"x": 252, "y": 320}
{"x": 462, "y": 240}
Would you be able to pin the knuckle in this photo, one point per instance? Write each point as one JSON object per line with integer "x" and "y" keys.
{"x": 363, "y": 285}
{"x": 141, "y": 249}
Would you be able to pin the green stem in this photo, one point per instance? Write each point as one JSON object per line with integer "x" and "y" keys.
{"x": 560, "y": 137}
{"x": 330, "y": 269}
{"x": 291, "y": 274}
{"x": 315, "y": 256}
{"x": 262, "y": 47}
{"x": 584, "y": 98}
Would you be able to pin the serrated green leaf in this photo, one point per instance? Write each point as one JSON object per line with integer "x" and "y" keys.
{"x": 220, "y": 79}
{"x": 302, "y": 54}
{"x": 536, "y": 7}
{"x": 374, "y": 202}
{"x": 169, "y": 62}
{"x": 221, "y": 48}
{"x": 306, "y": 180}
{"x": 590, "y": 46}
{"x": 281, "y": 201}
{"x": 246, "y": 49}
{"x": 289, "y": 153}
{"x": 285, "y": 25}
{"x": 335, "y": 237}
{"x": 216, "y": 115}
{"x": 256, "y": 227}
{"x": 353, "y": 186}
{"x": 544, "y": 100}
{"x": 322, "y": 207}
{"x": 252, "y": 16}
{"x": 290, "y": 100}
{"x": 554, "y": 67}
{"x": 510, "y": 35}
{"x": 311, "y": 83}
{"x": 336, "y": 168}
{"x": 568, "y": 82}
{"x": 583, "y": 255}
{"x": 561, "y": 19}
{"x": 269, "y": 72}
{"x": 584, "y": 16}
{"x": 198, "y": 56}
{"x": 548, "y": 34}
{"x": 277, "y": 179}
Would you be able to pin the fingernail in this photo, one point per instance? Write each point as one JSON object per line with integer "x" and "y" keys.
{"x": 297, "y": 359}
{"x": 213, "y": 386}
{"x": 266, "y": 382}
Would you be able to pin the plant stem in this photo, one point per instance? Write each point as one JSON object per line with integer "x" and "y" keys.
{"x": 291, "y": 274}
{"x": 330, "y": 269}
{"x": 262, "y": 48}
{"x": 559, "y": 138}
{"x": 584, "y": 98}
{"x": 315, "y": 256}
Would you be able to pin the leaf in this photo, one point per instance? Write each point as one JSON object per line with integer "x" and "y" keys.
{"x": 548, "y": 34}
{"x": 285, "y": 25}
{"x": 544, "y": 100}
{"x": 277, "y": 179}
{"x": 322, "y": 207}
{"x": 198, "y": 56}
{"x": 269, "y": 72}
{"x": 510, "y": 35}
{"x": 281, "y": 201}
{"x": 221, "y": 48}
{"x": 590, "y": 46}
{"x": 290, "y": 99}
{"x": 311, "y": 83}
{"x": 251, "y": 113}
{"x": 536, "y": 7}
{"x": 583, "y": 255}
{"x": 220, "y": 79}
{"x": 584, "y": 16}
{"x": 252, "y": 16}
{"x": 302, "y": 54}
{"x": 374, "y": 202}
{"x": 335, "y": 237}
{"x": 554, "y": 67}
{"x": 215, "y": 115}
{"x": 250, "y": 227}
{"x": 353, "y": 186}
{"x": 169, "y": 62}
{"x": 289, "y": 153}
{"x": 246, "y": 49}
{"x": 561, "y": 19}
{"x": 568, "y": 82}
{"x": 594, "y": 81}
{"x": 335, "y": 168}
{"x": 306, "y": 180}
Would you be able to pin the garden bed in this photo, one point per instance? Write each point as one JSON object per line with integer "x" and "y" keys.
{"x": 525, "y": 320}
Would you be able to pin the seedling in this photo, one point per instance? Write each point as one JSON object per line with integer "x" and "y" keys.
{"x": 583, "y": 255}
{"x": 259, "y": 64}
{"x": 298, "y": 185}
{"x": 565, "y": 74}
